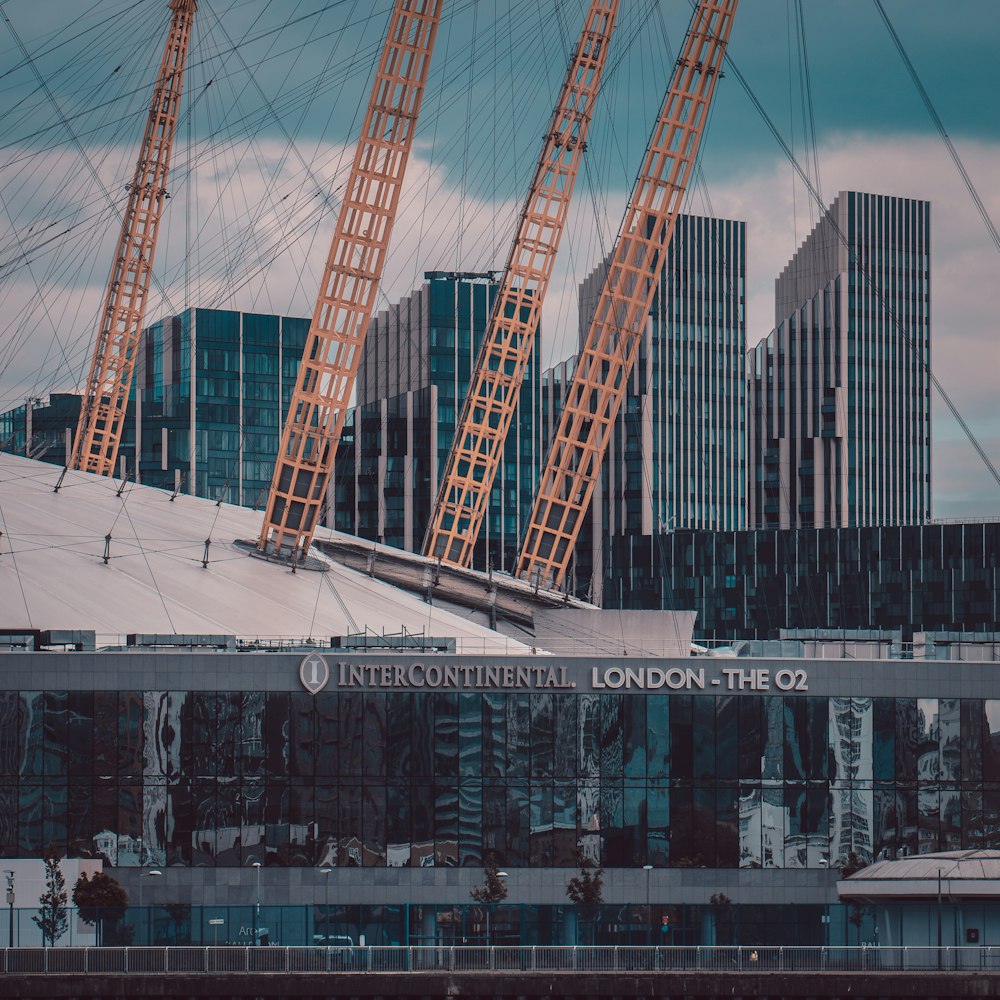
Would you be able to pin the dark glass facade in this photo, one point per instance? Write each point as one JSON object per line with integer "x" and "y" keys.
{"x": 751, "y": 584}
{"x": 375, "y": 779}
{"x": 41, "y": 430}
{"x": 211, "y": 391}
{"x": 840, "y": 409}
{"x": 417, "y": 364}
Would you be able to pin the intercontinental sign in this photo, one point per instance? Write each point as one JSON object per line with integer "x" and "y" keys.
{"x": 316, "y": 673}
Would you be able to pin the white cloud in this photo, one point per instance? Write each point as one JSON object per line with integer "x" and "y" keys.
{"x": 965, "y": 292}
{"x": 261, "y": 238}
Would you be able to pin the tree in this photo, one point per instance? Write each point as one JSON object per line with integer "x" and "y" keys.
{"x": 102, "y": 901}
{"x": 722, "y": 917}
{"x": 493, "y": 889}
{"x": 52, "y": 917}
{"x": 586, "y": 889}
{"x": 856, "y": 912}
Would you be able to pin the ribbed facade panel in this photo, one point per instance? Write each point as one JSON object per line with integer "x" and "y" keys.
{"x": 840, "y": 390}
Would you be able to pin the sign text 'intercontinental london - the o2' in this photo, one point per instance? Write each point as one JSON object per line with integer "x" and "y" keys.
{"x": 315, "y": 673}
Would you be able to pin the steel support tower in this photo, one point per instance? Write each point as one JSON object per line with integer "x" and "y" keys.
{"x": 351, "y": 277}
{"x": 601, "y": 378}
{"x": 102, "y": 415}
{"x": 491, "y": 402}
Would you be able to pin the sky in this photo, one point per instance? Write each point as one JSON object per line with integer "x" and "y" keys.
{"x": 274, "y": 97}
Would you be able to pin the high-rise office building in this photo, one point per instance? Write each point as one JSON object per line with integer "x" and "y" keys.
{"x": 414, "y": 374}
{"x": 677, "y": 455}
{"x": 41, "y": 430}
{"x": 840, "y": 389}
{"x": 217, "y": 441}
{"x": 210, "y": 393}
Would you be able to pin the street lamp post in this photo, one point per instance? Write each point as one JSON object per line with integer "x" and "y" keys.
{"x": 154, "y": 872}
{"x": 939, "y": 916}
{"x": 10, "y": 903}
{"x": 649, "y": 916}
{"x": 824, "y": 863}
{"x": 256, "y": 906}
{"x": 489, "y": 908}
{"x": 325, "y": 872}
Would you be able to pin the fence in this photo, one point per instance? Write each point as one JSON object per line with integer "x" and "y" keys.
{"x": 544, "y": 959}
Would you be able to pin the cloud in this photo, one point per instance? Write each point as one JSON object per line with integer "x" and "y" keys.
{"x": 261, "y": 226}
{"x": 965, "y": 292}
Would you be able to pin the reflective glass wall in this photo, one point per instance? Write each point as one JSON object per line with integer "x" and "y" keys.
{"x": 750, "y": 584}
{"x": 376, "y": 780}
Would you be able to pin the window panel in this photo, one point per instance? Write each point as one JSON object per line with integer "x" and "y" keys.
{"x": 726, "y": 738}
{"x": 565, "y": 736}
{"x": 540, "y": 844}
{"x": 658, "y": 735}
{"x": 11, "y": 741}
{"x": 727, "y": 826}
{"x": 518, "y": 826}
{"x": 972, "y": 739}
{"x": 907, "y": 738}
{"x": 398, "y": 733}
{"x": 494, "y": 735}
{"x": 55, "y": 759}
{"x": 374, "y": 735}
{"x": 470, "y": 736}
{"x": 542, "y": 734}
{"x": 884, "y": 738}
{"x": 991, "y": 741}
{"x": 751, "y": 736}
{"x": 950, "y": 739}
{"x": 750, "y": 828}
{"x": 301, "y": 735}
{"x": 446, "y": 826}
{"x": 446, "y": 735}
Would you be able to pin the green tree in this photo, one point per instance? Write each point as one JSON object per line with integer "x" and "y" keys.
{"x": 52, "y": 917}
{"x": 102, "y": 902}
{"x": 493, "y": 889}
{"x": 586, "y": 889}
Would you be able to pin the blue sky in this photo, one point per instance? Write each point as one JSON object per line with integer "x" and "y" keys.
{"x": 256, "y": 212}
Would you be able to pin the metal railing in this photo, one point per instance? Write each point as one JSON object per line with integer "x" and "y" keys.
{"x": 500, "y": 958}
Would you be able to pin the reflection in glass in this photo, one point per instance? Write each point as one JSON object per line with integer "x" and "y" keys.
{"x": 342, "y": 778}
{"x": 658, "y": 735}
{"x": 11, "y": 741}
{"x": 991, "y": 740}
{"x": 928, "y": 727}
{"x": 154, "y": 823}
{"x": 950, "y": 739}
{"x": 772, "y": 827}
{"x": 470, "y": 822}
{"x": 929, "y": 820}
{"x": 751, "y": 843}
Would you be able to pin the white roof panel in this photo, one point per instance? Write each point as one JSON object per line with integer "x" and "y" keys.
{"x": 53, "y": 574}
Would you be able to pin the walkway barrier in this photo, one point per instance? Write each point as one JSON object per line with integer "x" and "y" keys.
{"x": 187, "y": 959}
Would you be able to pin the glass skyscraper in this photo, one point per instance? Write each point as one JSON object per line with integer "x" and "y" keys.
{"x": 677, "y": 455}
{"x": 840, "y": 389}
{"x": 414, "y": 374}
{"x": 210, "y": 393}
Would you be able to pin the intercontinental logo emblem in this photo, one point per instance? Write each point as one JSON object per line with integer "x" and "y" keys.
{"x": 314, "y": 672}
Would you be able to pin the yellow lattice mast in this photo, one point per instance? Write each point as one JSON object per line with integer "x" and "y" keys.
{"x": 353, "y": 269}
{"x": 99, "y": 431}
{"x": 601, "y": 377}
{"x": 491, "y": 402}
